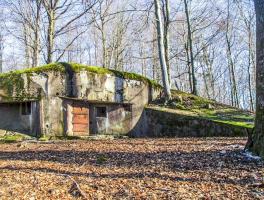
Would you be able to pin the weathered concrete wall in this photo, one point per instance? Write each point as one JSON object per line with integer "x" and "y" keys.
{"x": 157, "y": 123}
{"x": 13, "y": 120}
{"x": 118, "y": 121}
{"x": 24, "y": 87}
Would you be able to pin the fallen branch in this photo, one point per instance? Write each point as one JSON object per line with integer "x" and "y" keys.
{"x": 75, "y": 188}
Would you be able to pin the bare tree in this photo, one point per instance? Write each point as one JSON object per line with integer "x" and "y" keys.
{"x": 189, "y": 48}
{"x": 1, "y": 51}
{"x": 231, "y": 65}
{"x": 162, "y": 58}
{"x": 103, "y": 13}
{"x": 256, "y": 141}
{"x": 1, "y": 41}
{"x": 27, "y": 14}
{"x": 167, "y": 21}
{"x": 56, "y": 10}
{"x": 248, "y": 19}
{"x": 128, "y": 40}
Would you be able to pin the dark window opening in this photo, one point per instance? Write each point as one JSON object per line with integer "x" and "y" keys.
{"x": 101, "y": 112}
{"x": 128, "y": 108}
{"x": 26, "y": 108}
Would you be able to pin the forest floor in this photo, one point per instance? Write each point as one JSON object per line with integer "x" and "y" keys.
{"x": 186, "y": 168}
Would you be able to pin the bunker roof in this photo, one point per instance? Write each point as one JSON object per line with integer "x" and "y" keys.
{"x": 75, "y": 67}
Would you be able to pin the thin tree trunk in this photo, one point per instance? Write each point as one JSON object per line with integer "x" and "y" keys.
{"x": 162, "y": 58}
{"x": 36, "y": 45}
{"x": 256, "y": 141}
{"x": 248, "y": 71}
{"x": 194, "y": 81}
{"x": 1, "y": 52}
{"x": 233, "y": 85}
{"x": 166, "y": 13}
{"x": 51, "y": 33}
{"x": 26, "y": 41}
{"x": 189, "y": 66}
{"x": 208, "y": 73}
{"x": 155, "y": 61}
{"x": 104, "y": 46}
{"x": 234, "y": 94}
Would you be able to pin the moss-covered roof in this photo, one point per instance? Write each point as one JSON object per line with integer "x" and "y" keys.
{"x": 75, "y": 67}
{"x": 194, "y": 106}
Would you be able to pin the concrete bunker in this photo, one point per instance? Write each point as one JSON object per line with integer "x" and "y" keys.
{"x": 63, "y": 99}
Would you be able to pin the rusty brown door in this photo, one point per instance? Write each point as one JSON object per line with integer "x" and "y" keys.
{"x": 80, "y": 121}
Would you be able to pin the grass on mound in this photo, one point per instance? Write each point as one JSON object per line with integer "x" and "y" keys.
{"x": 189, "y": 104}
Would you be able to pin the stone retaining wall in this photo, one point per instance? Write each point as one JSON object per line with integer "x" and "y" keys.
{"x": 157, "y": 123}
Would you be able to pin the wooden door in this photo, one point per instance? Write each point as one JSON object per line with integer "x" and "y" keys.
{"x": 80, "y": 119}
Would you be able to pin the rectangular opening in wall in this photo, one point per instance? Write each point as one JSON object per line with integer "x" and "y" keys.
{"x": 101, "y": 112}
{"x": 25, "y": 108}
{"x": 128, "y": 108}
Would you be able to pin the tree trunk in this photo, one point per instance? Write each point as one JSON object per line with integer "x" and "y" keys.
{"x": 51, "y": 33}
{"x": 194, "y": 81}
{"x": 1, "y": 52}
{"x": 231, "y": 66}
{"x": 36, "y": 45}
{"x": 186, "y": 46}
{"x": 160, "y": 35}
{"x": 256, "y": 141}
{"x": 166, "y": 13}
{"x": 104, "y": 47}
{"x": 249, "y": 71}
{"x": 26, "y": 36}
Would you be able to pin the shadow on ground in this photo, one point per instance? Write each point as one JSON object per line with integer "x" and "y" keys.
{"x": 186, "y": 162}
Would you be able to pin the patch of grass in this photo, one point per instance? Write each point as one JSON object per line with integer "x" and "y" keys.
{"x": 191, "y": 101}
{"x": 234, "y": 123}
{"x": 44, "y": 138}
{"x": 13, "y": 138}
{"x": 195, "y": 106}
{"x": 232, "y": 116}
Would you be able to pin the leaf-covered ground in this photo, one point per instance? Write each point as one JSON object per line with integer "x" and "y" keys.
{"x": 215, "y": 168}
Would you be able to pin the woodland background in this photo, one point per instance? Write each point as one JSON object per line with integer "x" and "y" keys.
{"x": 212, "y": 42}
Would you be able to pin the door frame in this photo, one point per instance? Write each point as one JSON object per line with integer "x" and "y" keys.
{"x": 68, "y": 116}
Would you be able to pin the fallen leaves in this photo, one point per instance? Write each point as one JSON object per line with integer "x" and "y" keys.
{"x": 214, "y": 168}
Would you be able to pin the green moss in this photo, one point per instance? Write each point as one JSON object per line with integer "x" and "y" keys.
{"x": 61, "y": 67}
{"x": 99, "y": 70}
{"x": 12, "y": 83}
{"x": 14, "y": 88}
{"x": 65, "y": 137}
{"x": 50, "y": 67}
{"x": 13, "y": 138}
{"x": 44, "y": 138}
{"x": 191, "y": 101}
